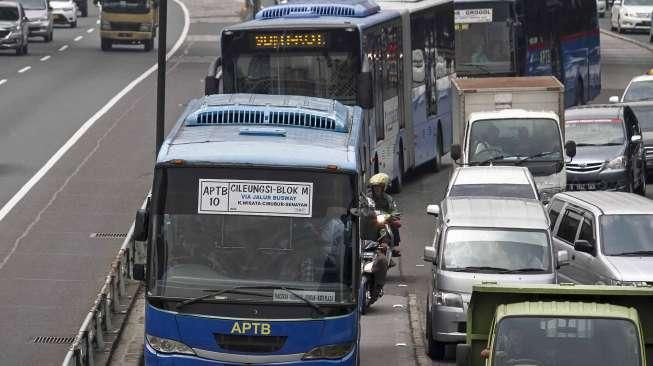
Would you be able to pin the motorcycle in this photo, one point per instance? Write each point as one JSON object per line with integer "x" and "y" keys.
{"x": 376, "y": 254}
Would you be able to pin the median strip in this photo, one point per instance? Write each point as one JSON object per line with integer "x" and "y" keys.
{"x": 26, "y": 68}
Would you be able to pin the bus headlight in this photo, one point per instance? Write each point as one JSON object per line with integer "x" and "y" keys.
{"x": 165, "y": 345}
{"x": 329, "y": 352}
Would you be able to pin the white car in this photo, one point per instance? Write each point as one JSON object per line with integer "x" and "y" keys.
{"x": 64, "y": 12}
{"x": 600, "y": 8}
{"x": 640, "y": 88}
{"x": 631, "y": 15}
{"x": 492, "y": 181}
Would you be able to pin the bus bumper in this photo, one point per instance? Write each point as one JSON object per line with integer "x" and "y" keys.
{"x": 126, "y": 36}
{"x": 154, "y": 358}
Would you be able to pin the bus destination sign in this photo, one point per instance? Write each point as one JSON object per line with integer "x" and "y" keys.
{"x": 295, "y": 39}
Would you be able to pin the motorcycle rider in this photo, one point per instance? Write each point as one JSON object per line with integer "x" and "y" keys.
{"x": 384, "y": 202}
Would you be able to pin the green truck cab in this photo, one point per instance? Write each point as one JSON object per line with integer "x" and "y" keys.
{"x": 542, "y": 325}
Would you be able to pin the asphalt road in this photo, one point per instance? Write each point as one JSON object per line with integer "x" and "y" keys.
{"x": 51, "y": 267}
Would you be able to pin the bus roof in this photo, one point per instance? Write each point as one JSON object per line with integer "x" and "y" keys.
{"x": 237, "y": 141}
{"x": 410, "y": 5}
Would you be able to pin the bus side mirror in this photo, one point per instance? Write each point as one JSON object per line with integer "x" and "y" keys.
{"x": 455, "y": 152}
{"x": 214, "y": 77}
{"x": 140, "y": 225}
{"x": 365, "y": 93}
{"x": 570, "y": 148}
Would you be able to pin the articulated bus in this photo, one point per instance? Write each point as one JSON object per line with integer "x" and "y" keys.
{"x": 393, "y": 60}
{"x": 531, "y": 38}
{"x": 252, "y": 236}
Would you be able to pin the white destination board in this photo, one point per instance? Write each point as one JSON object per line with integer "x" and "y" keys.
{"x": 315, "y": 296}
{"x": 464, "y": 16}
{"x": 255, "y": 197}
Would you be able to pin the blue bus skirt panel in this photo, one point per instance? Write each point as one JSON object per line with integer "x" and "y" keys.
{"x": 202, "y": 334}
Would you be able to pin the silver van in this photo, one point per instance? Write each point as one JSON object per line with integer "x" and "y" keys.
{"x": 609, "y": 236}
{"x": 502, "y": 240}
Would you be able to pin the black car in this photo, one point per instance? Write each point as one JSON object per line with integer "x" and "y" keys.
{"x": 609, "y": 153}
{"x": 644, "y": 113}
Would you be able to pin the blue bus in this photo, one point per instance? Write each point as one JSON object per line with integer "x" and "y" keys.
{"x": 252, "y": 239}
{"x": 391, "y": 58}
{"x": 531, "y": 38}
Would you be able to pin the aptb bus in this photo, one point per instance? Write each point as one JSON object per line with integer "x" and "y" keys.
{"x": 252, "y": 239}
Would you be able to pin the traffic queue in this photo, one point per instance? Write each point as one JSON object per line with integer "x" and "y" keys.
{"x": 271, "y": 229}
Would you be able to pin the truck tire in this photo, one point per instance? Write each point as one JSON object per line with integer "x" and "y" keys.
{"x": 105, "y": 44}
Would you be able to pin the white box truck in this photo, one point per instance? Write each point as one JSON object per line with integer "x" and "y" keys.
{"x": 513, "y": 121}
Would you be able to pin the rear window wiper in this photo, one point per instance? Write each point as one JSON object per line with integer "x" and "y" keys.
{"x": 635, "y": 253}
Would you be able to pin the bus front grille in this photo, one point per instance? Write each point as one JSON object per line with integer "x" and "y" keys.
{"x": 247, "y": 343}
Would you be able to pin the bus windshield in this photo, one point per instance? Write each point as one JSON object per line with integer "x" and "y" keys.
{"x": 483, "y": 39}
{"x": 126, "y": 6}
{"x": 268, "y": 245}
{"x": 318, "y": 64}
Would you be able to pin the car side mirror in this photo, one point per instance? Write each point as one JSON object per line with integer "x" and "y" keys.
{"x": 433, "y": 210}
{"x": 570, "y": 148}
{"x": 614, "y": 99}
{"x": 636, "y": 139}
{"x": 583, "y": 246}
{"x": 365, "y": 92}
{"x": 140, "y": 225}
{"x": 429, "y": 254}
{"x": 456, "y": 152}
{"x": 463, "y": 352}
{"x": 562, "y": 258}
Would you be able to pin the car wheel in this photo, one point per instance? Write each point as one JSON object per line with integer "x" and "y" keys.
{"x": 619, "y": 29}
{"x": 105, "y": 44}
{"x": 434, "y": 349}
{"x": 73, "y": 24}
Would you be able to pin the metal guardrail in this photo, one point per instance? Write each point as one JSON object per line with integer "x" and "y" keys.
{"x": 98, "y": 322}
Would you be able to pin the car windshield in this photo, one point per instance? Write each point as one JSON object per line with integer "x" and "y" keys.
{"x": 641, "y": 90}
{"x": 553, "y": 341}
{"x": 9, "y": 13}
{"x": 624, "y": 234}
{"x": 126, "y": 6}
{"x": 644, "y": 116}
{"x": 33, "y": 4}
{"x": 515, "y": 138}
{"x": 493, "y": 190}
{"x": 592, "y": 132}
{"x": 638, "y": 2}
{"x": 502, "y": 249}
{"x": 219, "y": 228}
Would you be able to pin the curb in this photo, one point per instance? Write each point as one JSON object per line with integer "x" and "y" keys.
{"x": 416, "y": 331}
{"x": 626, "y": 39}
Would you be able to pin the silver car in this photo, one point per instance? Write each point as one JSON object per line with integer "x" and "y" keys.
{"x": 13, "y": 27}
{"x": 504, "y": 240}
{"x": 609, "y": 236}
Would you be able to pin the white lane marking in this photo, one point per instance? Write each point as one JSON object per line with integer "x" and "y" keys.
{"x": 419, "y": 265}
{"x": 401, "y": 344}
{"x": 3, "y": 81}
{"x": 78, "y": 38}
{"x": 398, "y": 306}
{"x": 25, "y": 189}
{"x": 203, "y": 38}
{"x": 402, "y": 285}
{"x": 63, "y": 48}
{"x": 45, "y": 58}
{"x": 90, "y": 30}
{"x": 26, "y": 68}
{"x": 97, "y": 21}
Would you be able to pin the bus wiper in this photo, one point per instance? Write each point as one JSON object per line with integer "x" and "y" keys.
{"x": 478, "y": 66}
{"x": 234, "y": 290}
{"x": 310, "y": 303}
{"x": 538, "y": 155}
{"x": 488, "y": 161}
{"x": 636, "y": 253}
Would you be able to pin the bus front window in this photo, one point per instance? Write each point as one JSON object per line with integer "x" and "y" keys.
{"x": 483, "y": 39}
{"x": 311, "y": 63}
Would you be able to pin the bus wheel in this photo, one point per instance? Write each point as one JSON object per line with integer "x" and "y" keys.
{"x": 149, "y": 45}
{"x": 106, "y": 44}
